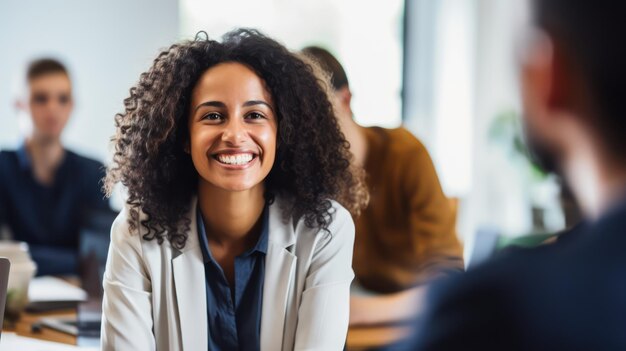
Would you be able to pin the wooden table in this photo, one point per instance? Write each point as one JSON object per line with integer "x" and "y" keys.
{"x": 368, "y": 337}
{"x": 24, "y": 327}
{"x": 378, "y": 320}
{"x": 359, "y": 337}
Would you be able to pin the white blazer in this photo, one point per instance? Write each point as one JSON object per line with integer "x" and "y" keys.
{"x": 155, "y": 295}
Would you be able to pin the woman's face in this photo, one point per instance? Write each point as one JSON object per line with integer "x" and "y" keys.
{"x": 232, "y": 127}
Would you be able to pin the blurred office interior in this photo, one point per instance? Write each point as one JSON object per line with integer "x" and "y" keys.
{"x": 443, "y": 68}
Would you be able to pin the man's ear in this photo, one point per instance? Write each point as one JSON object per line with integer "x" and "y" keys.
{"x": 552, "y": 85}
{"x": 342, "y": 100}
{"x": 566, "y": 94}
{"x": 345, "y": 95}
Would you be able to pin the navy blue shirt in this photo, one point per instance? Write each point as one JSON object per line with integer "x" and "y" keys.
{"x": 49, "y": 217}
{"x": 234, "y": 316}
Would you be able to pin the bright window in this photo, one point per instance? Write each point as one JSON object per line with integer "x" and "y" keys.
{"x": 365, "y": 36}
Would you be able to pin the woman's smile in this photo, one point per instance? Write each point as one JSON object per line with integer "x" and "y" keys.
{"x": 235, "y": 160}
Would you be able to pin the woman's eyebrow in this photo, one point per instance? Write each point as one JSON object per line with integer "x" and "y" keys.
{"x": 210, "y": 103}
{"x": 257, "y": 102}
{"x": 223, "y": 105}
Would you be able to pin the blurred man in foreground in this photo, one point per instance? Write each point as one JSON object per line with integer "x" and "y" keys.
{"x": 47, "y": 191}
{"x": 570, "y": 295}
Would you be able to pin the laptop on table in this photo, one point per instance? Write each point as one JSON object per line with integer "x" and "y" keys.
{"x": 4, "y": 280}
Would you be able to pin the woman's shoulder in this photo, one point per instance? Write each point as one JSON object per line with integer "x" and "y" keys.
{"x": 340, "y": 228}
{"x": 125, "y": 227}
{"x": 129, "y": 229}
{"x": 326, "y": 251}
{"x": 340, "y": 234}
{"x": 338, "y": 213}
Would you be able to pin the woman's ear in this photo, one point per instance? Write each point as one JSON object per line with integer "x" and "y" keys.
{"x": 186, "y": 147}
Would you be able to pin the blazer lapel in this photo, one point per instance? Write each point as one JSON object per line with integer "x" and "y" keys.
{"x": 190, "y": 285}
{"x": 279, "y": 272}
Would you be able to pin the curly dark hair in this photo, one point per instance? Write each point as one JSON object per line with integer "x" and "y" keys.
{"x": 313, "y": 162}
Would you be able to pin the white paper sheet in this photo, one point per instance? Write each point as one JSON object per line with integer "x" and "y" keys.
{"x": 48, "y": 288}
{"x": 13, "y": 342}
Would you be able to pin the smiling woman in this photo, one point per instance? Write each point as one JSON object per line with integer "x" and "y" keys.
{"x": 235, "y": 234}
{"x": 232, "y": 128}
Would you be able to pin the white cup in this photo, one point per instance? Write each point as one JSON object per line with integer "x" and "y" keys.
{"x": 22, "y": 271}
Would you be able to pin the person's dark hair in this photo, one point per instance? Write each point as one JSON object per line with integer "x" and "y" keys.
{"x": 44, "y": 66}
{"x": 592, "y": 33}
{"x": 330, "y": 64}
{"x": 312, "y": 162}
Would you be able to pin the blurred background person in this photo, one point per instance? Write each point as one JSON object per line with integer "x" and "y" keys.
{"x": 406, "y": 236}
{"x": 569, "y": 295}
{"x": 47, "y": 192}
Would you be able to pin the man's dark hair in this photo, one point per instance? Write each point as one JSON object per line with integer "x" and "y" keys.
{"x": 330, "y": 64}
{"x": 592, "y": 35}
{"x": 44, "y": 66}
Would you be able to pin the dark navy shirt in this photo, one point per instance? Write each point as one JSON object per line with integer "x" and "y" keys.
{"x": 49, "y": 217}
{"x": 234, "y": 313}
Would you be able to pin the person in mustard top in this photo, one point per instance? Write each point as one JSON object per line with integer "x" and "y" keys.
{"x": 406, "y": 236}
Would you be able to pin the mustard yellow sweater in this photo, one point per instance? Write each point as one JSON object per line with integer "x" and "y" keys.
{"x": 406, "y": 235}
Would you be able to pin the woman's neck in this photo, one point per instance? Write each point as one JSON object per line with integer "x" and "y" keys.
{"x": 231, "y": 217}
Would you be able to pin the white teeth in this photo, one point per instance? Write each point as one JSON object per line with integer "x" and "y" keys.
{"x": 239, "y": 159}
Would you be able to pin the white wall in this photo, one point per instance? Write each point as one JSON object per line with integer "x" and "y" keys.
{"x": 466, "y": 75}
{"x": 106, "y": 45}
{"x": 499, "y": 195}
{"x": 439, "y": 94}
{"x": 366, "y": 37}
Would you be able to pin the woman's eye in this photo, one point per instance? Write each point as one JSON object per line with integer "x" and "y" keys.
{"x": 255, "y": 115}
{"x": 212, "y": 116}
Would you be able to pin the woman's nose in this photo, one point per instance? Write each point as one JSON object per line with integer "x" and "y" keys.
{"x": 234, "y": 132}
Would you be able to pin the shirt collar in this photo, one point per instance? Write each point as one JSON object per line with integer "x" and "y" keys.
{"x": 260, "y": 247}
